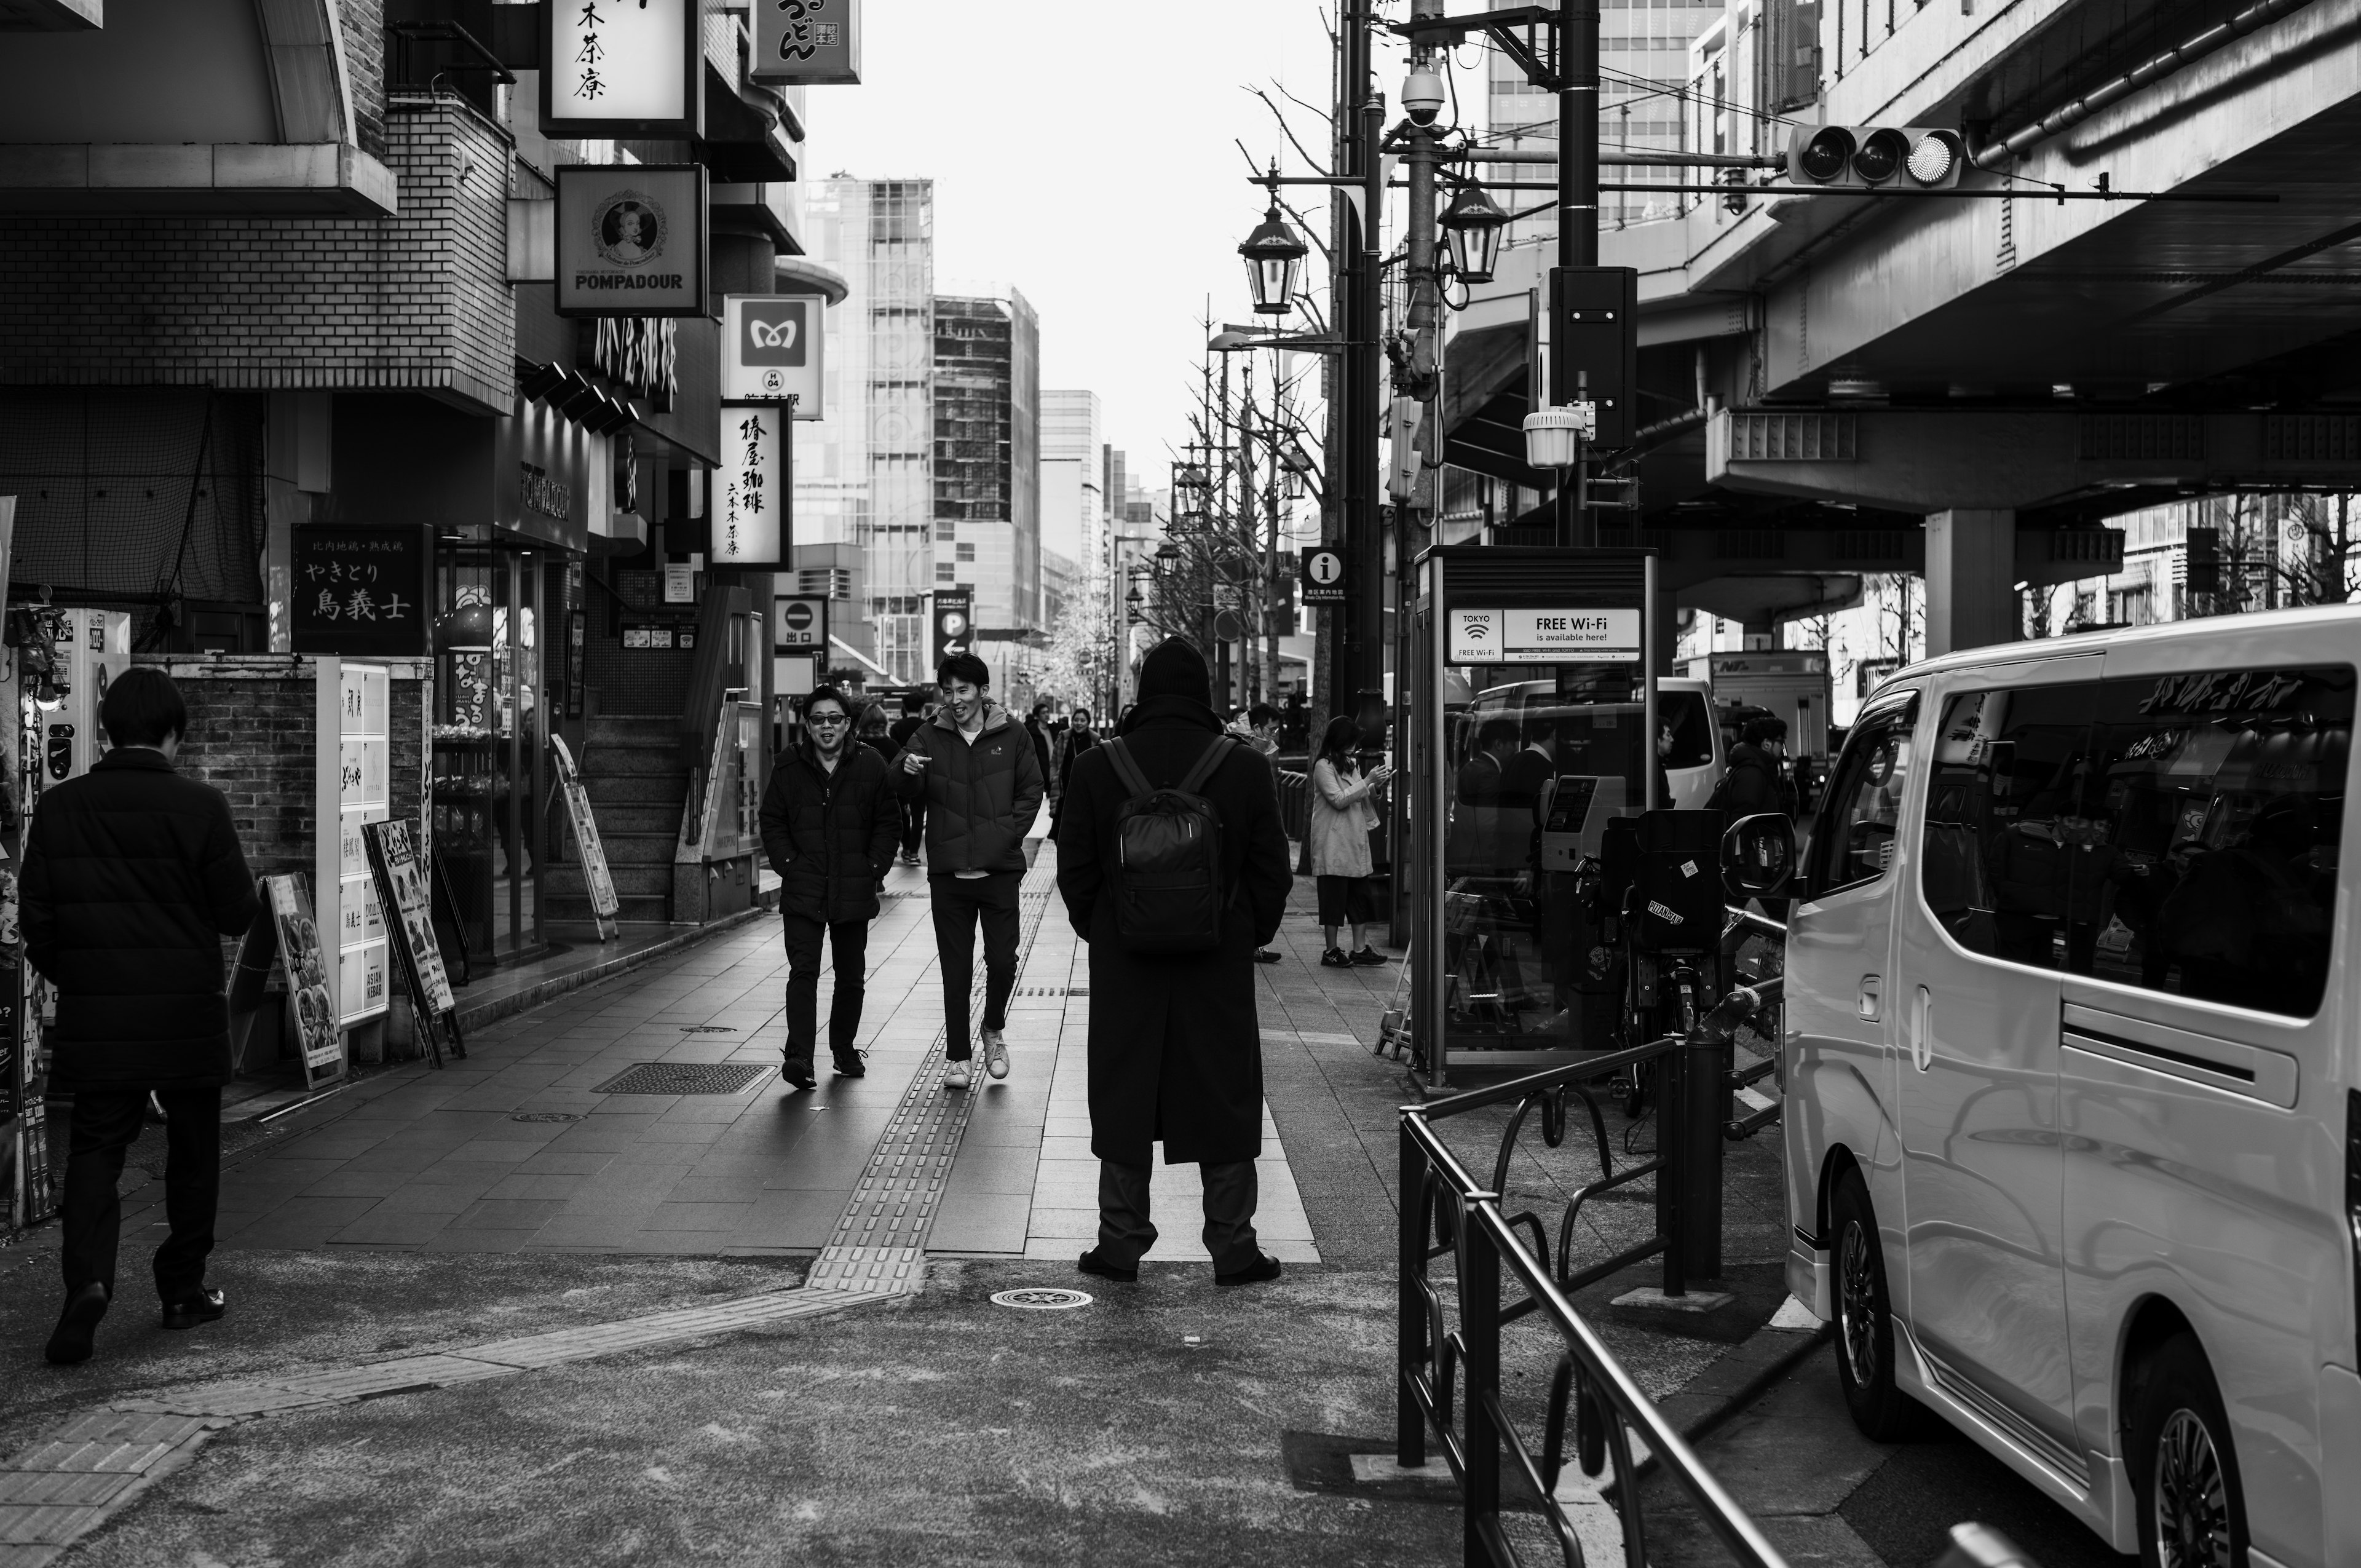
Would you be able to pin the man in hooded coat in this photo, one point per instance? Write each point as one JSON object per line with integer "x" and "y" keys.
{"x": 1175, "y": 1045}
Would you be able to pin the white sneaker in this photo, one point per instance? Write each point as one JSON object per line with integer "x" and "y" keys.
{"x": 996, "y": 1054}
{"x": 957, "y": 1077}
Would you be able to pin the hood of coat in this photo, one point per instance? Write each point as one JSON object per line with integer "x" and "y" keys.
{"x": 1185, "y": 712}
{"x": 994, "y": 717}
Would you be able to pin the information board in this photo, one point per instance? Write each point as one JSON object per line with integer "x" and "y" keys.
{"x": 364, "y": 797}
{"x": 604, "y": 904}
{"x": 399, "y": 866}
{"x": 1525, "y": 636}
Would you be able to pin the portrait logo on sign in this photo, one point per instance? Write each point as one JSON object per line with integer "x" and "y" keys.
{"x": 628, "y": 228}
{"x": 776, "y": 333}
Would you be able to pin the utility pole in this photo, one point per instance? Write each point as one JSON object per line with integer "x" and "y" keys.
{"x": 1578, "y": 226}
{"x": 1361, "y": 119}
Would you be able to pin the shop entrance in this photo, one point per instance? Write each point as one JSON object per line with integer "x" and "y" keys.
{"x": 490, "y": 782}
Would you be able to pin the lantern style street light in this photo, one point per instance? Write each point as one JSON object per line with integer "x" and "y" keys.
{"x": 1473, "y": 224}
{"x": 1554, "y": 436}
{"x": 1274, "y": 255}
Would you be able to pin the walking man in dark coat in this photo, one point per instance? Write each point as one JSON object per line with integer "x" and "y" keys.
{"x": 1175, "y": 1047}
{"x": 975, "y": 770}
{"x": 829, "y": 826}
{"x": 132, "y": 876}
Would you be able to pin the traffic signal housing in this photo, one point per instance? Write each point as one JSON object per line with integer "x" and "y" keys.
{"x": 1595, "y": 347}
{"x": 1856, "y": 157}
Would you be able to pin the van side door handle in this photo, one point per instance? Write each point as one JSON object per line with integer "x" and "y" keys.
{"x": 1868, "y": 1001}
{"x": 1922, "y": 1029}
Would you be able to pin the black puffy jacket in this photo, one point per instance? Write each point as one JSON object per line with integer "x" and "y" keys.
{"x": 980, "y": 795}
{"x": 830, "y": 836}
{"x": 132, "y": 877}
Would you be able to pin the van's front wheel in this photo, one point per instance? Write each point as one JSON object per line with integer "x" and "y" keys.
{"x": 1865, "y": 1317}
{"x": 2191, "y": 1513}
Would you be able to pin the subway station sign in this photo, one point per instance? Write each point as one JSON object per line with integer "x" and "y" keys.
{"x": 630, "y": 239}
{"x": 1543, "y": 636}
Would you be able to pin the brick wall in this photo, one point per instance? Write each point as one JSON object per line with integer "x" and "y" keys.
{"x": 364, "y": 25}
{"x": 253, "y": 734}
{"x": 417, "y": 302}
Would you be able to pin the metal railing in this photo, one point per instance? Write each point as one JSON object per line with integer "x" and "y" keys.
{"x": 1450, "y": 1378}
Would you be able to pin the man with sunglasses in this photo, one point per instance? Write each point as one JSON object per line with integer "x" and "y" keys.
{"x": 830, "y": 829}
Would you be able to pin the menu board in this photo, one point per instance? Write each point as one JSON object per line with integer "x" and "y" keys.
{"x": 364, "y": 797}
{"x": 397, "y": 866}
{"x": 310, "y": 1012}
{"x": 604, "y": 904}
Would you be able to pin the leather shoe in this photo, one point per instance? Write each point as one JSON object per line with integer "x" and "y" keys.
{"x": 70, "y": 1341}
{"x": 1092, "y": 1263}
{"x": 799, "y": 1074}
{"x": 849, "y": 1065}
{"x": 1263, "y": 1269}
{"x": 187, "y": 1313}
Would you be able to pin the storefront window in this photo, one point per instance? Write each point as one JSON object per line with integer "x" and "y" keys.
{"x": 488, "y": 765}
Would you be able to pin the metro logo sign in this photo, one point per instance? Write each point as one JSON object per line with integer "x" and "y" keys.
{"x": 773, "y": 348}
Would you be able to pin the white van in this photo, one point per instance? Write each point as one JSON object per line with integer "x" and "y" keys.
{"x": 2074, "y": 1126}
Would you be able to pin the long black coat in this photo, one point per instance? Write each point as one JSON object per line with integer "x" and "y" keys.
{"x": 132, "y": 877}
{"x": 1175, "y": 1045}
{"x": 831, "y": 836}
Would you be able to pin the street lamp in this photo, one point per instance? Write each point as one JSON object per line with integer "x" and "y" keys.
{"x": 1168, "y": 552}
{"x": 1274, "y": 255}
{"x": 1473, "y": 224}
{"x": 1554, "y": 436}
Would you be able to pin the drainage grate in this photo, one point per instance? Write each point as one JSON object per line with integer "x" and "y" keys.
{"x": 1040, "y": 1298}
{"x": 706, "y": 1029}
{"x": 546, "y": 1117}
{"x": 684, "y": 1078}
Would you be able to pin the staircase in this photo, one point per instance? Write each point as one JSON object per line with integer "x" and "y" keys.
{"x": 637, "y": 784}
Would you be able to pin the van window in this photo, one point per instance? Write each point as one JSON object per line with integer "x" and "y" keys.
{"x": 2210, "y": 867}
{"x": 1691, "y": 725}
{"x": 1853, "y": 841}
{"x": 2008, "y": 814}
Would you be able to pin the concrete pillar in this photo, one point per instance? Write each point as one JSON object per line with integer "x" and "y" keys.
{"x": 1970, "y": 579}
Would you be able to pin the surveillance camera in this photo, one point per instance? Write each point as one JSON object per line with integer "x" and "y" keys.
{"x": 1423, "y": 94}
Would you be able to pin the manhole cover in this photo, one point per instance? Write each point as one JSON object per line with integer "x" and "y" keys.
{"x": 1040, "y": 1298}
{"x": 706, "y": 1029}
{"x": 546, "y": 1117}
{"x": 684, "y": 1078}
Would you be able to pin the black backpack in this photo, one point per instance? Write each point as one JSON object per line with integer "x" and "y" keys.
{"x": 1167, "y": 875}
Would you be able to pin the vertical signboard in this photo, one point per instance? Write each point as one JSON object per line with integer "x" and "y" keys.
{"x": 604, "y": 904}
{"x": 311, "y": 1013}
{"x": 954, "y": 621}
{"x": 809, "y": 43}
{"x": 621, "y": 68}
{"x": 750, "y": 526}
{"x": 771, "y": 351}
{"x": 397, "y": 866}
{"x": 363, "y": 797}
{"x": 631, "y": 239}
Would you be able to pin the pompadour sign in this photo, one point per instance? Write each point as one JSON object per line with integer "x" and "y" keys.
{"x": 631, "y": 239}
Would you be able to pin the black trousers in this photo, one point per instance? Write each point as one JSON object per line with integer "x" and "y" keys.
{"x": 105, "y": 1123}
{"x": 914, "y": 825}
{"x": 1126, "y": 1233}
{"x": 959, "y": 903}
{"x": 848, "y": 943}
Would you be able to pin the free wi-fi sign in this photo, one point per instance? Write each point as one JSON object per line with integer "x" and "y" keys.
{"x": 1474, "y": 637}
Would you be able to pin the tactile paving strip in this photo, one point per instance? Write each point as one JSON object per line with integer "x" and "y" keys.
{"x": 879, "y": 1245}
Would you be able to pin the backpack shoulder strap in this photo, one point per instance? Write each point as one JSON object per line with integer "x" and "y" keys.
{"x": 1134, "y": 781}
{"x": 1213, "y": 759}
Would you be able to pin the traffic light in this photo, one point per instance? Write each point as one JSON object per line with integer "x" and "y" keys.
{"x": 1595, "y": 347}
{"x": 2203, "y": 574}
{"x": 1853, "y": 158}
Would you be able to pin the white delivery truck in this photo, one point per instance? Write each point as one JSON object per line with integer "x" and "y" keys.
{"x": 1790, "y": 684}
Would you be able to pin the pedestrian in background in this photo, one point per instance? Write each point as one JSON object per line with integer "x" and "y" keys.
{"x": 1342, "y": 819}
{"x": 980, "y": 782}
{"x": 132, "y": 877}
{"x": 1260, "y": 730}
{"x": 1037, "y": 725}
{"x": 914, "y": 812}
{"x": 1080, "y": 738}
{"x": 875, "y": 735}
{"x": 827, "y": 827}
{"x": 1175, "y": 1043}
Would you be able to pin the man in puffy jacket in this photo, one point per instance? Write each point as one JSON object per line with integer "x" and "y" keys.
{"x": 132, "y": 876}
{"x": 829, "y": 827}
{"x": 976, "y": 773}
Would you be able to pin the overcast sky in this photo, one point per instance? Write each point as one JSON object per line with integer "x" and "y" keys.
{"x": 1083, "y": 151}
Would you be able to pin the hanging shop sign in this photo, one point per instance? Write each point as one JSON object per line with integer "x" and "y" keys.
{"x": 631, "y": 239}
{"x": 798, "y": 623}
{"x": 750, "y": 521}
{"x": 622, "y": 68}
{"x": 808, "y": 42}
{"x": 1543, "y": 636}
{"x": 358, "y": 592}
{"x": 954, "y": 621}
{"x": 771, "y": 350}
{"x": 399, "y": 866}
{"x": 640, "y": 355}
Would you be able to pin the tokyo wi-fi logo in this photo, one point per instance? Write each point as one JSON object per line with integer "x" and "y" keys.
{"x": 630, "y": 228}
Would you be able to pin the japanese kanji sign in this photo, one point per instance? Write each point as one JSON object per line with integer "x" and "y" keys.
{"x": 751, "y": 523}
{"x": 359, "y": 591}
{"x": 621, "y": 68}
{"x": 808, "y": 42}
{"x": 630, "y": 239}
